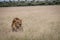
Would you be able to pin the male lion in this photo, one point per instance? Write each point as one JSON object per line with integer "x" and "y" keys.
{"x": 16, "y": 24}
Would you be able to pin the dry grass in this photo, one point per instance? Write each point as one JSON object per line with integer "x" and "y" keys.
{"x": 39, "y": 23}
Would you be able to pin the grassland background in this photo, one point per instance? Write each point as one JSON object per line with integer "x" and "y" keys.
{"x": 39, "y": 23}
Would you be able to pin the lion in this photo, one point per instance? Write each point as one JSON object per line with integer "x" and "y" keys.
{"x": 16, "y": 25}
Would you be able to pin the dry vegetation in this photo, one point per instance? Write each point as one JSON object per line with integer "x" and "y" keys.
{"x": 39, "y": 23}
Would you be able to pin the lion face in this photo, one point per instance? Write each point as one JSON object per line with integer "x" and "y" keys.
{"x": 16, "y": 24}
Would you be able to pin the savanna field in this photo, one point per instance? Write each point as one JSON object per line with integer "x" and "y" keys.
{"x": 38, "y": 22}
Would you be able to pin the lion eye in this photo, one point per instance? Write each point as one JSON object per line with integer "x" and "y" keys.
{"x": 19, "y": 24}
